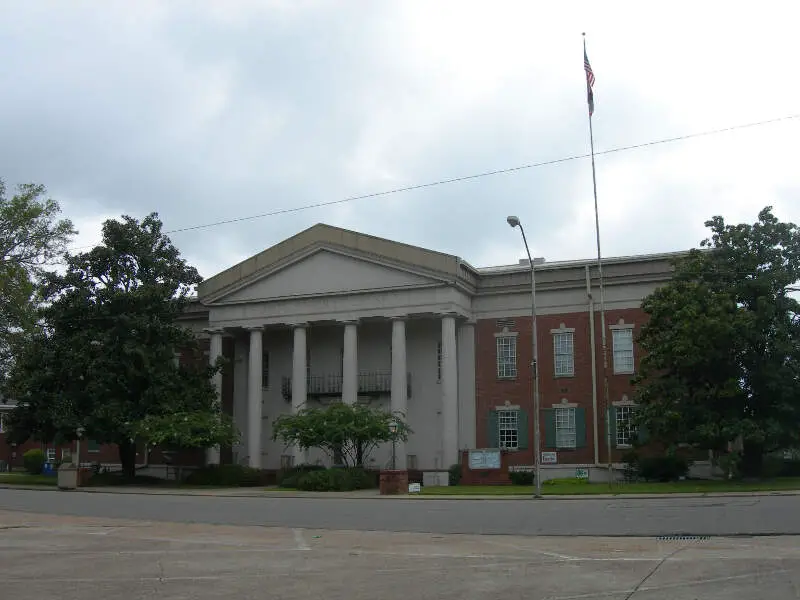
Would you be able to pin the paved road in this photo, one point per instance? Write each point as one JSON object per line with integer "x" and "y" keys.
{"x": 756, "y": 515}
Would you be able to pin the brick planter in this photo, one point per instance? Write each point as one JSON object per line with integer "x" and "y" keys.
{"x": 393, "y": 482}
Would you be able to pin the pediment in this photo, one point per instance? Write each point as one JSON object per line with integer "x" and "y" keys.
{"x": 324, "y": 272}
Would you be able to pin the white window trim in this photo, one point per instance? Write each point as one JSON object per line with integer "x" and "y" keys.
{"x": 554, "y": 333}
{"x": 498, "y": 336}
{"x": 3, "y": 422}
{"x": 500, "y": 429}
{"x": 619, "y": 404}
{"x": 615, "y": 368}
{"x": 574, "y": 429}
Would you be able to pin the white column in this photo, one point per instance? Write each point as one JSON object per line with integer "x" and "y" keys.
{"x": 466, "y": 385}
{"x": 254, "y": 398}
{"x": 399, "y": 402}
{"x": 214, "y": 352}
{"x": 299, "y": 380}
{"x": 449, "y": 392}
{"x": 350, "y": 363}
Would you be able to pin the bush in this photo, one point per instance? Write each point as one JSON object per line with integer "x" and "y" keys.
{"x": 336, "y": 480}
{"x": 454, "y": 474}
{"x": 33, "y": 461}
{"x": 669, "y": 467}
{"x": 111, "y": 478}
{"x": 790, "y": 468}
{"x": 227, "y": 476}
{"x": 287, "y": 478}
{"x": 566, "y": 481}
{"x": 521, "y": 477}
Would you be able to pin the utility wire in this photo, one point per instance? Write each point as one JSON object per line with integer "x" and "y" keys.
{"x": 420, "y": 186}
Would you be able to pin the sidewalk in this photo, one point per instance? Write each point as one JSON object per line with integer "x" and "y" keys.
{"x": 374, "y": 495}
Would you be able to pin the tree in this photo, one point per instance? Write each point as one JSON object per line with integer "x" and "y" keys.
{"x": 722, "y": 344}
{"x": 104, "y": 359}
{"x": 31, "y": 238}
{"x": 341, "y": 430}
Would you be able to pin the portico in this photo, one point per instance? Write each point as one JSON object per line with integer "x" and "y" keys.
{"x": 333, "y": 316}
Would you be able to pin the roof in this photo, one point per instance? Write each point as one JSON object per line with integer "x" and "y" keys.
{"x": 565, "y": 264}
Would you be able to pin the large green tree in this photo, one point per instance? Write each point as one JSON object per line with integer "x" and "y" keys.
{"x": 722, "y": 344}
{"x": 32, "y": 237}
{"x": 104, "y": 360}
{"x": 346, "y": 433}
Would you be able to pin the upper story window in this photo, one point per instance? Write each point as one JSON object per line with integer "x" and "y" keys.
{"x": 506, "y": 356}
{"x": 622, "y": 343}
{"x": 564, "y": 353}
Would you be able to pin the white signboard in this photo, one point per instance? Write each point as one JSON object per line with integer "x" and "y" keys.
{"x": 414, "y": 488}
{"x": 549, "y": 458}
{"x": 484, "y": 459}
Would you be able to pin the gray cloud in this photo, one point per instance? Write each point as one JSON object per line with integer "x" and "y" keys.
{"x": 210, "y": 112}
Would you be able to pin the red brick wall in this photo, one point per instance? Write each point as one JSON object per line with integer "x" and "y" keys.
{"x": 492, "y": 392}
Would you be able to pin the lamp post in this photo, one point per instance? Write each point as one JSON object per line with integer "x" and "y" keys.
{"x": 515, "y": 222}
{"x": 393, "y": 431}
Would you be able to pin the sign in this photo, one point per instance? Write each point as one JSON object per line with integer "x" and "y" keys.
{"x": 549, "y": 458}
{"x": 582, "y": 473}
{"x": 484, "y": 459}
{"x": 414, "y": 488}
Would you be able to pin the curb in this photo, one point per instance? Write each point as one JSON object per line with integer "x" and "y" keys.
{"x": 233, "y": 493}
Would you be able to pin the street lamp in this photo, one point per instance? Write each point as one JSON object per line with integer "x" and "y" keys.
{"x": 393, "y": 431}
{"x": 515, "y": 222}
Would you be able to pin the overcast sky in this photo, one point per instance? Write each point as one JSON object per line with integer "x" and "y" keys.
{"x": 206, "y": 111}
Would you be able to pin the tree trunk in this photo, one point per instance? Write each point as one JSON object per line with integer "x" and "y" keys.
{"x": 127, "y": 457}
{"x": 359, "y": 454}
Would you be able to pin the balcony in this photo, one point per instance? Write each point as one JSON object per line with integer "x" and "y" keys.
{"x": 370, "y": 383}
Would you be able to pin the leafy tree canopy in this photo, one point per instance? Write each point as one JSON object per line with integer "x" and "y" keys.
{"x": 104, "y": 359}
{"x": 722, "y": 344}
{"x": 31, "y": 238}
{"x": 345, "y": 432}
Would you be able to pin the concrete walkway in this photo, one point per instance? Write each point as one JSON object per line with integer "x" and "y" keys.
{"x": 256, "y": 492}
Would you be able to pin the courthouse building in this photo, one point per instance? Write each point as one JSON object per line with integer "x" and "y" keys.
{"x": 332, "y": 315}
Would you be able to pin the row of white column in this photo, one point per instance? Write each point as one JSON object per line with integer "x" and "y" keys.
{"x": 399, "y": 384}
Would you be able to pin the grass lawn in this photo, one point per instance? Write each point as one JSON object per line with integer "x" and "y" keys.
{"x": 25, "y": 479}
{"x": 574, "y": 489}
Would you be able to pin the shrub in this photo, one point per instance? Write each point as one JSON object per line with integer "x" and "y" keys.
{"x": 336, "y": 480}
{"x": 521, "y": 477}
{"x": 566, "y": 481}
{"x": 790, "y": 468}
{"x": 227, "y": 476}
{"x": 454, "y": 474}
{"x": 287, "y": 478}
{"x": 669, "y": 467}
{"x": 110, "y": 478}
{"x": 33, "y": 461}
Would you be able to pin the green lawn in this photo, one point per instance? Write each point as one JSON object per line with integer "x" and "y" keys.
{"x": 25, "y": 479}
{"x": 570, "y": 489}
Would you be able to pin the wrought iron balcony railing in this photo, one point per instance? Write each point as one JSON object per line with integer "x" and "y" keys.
{"x": 369, "y": 382}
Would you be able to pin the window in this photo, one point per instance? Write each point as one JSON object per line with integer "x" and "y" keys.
{"x": 411, "y": 462}
{"x": 506, "y": 357}
{"x": 624, "y": 425}
{"x": 50, "y": 455}
{"x": 623, "y": 350}
{"x": 564, "y": 353}
{"x": 2, "y": 422}
{"x": 566, "y": 434}
{"x": 439, "y": 361}
{"x": 508, "y": 433}
{"x": 92, "y": 446}
{"x": 265, "y": 369}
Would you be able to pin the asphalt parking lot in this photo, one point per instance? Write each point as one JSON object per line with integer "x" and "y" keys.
{"x": 73, "y": 558}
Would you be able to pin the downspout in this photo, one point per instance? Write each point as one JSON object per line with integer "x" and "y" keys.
{"x": 595, "y": 426}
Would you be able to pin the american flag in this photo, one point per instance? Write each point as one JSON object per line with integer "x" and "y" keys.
{"x": 589, "y": 82}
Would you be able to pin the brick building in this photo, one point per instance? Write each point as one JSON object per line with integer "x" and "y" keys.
{"x": 331, "y": 315}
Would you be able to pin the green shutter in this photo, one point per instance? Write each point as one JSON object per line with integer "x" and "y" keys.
{"x": 642, "y": 435}
{"x": 493, "y": 431}
{"x": 523, "y": 429}
{"x": 611, "y": 425}
{"x": 549, "y": 428}
{"x": 580, "y": 427}
{"x": 93, "y": 446}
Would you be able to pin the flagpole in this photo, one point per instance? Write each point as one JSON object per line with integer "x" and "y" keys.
{"x": 603, "y": 338}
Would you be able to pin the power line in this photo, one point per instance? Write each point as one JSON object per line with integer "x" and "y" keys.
{"x": 439, "y": 182}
